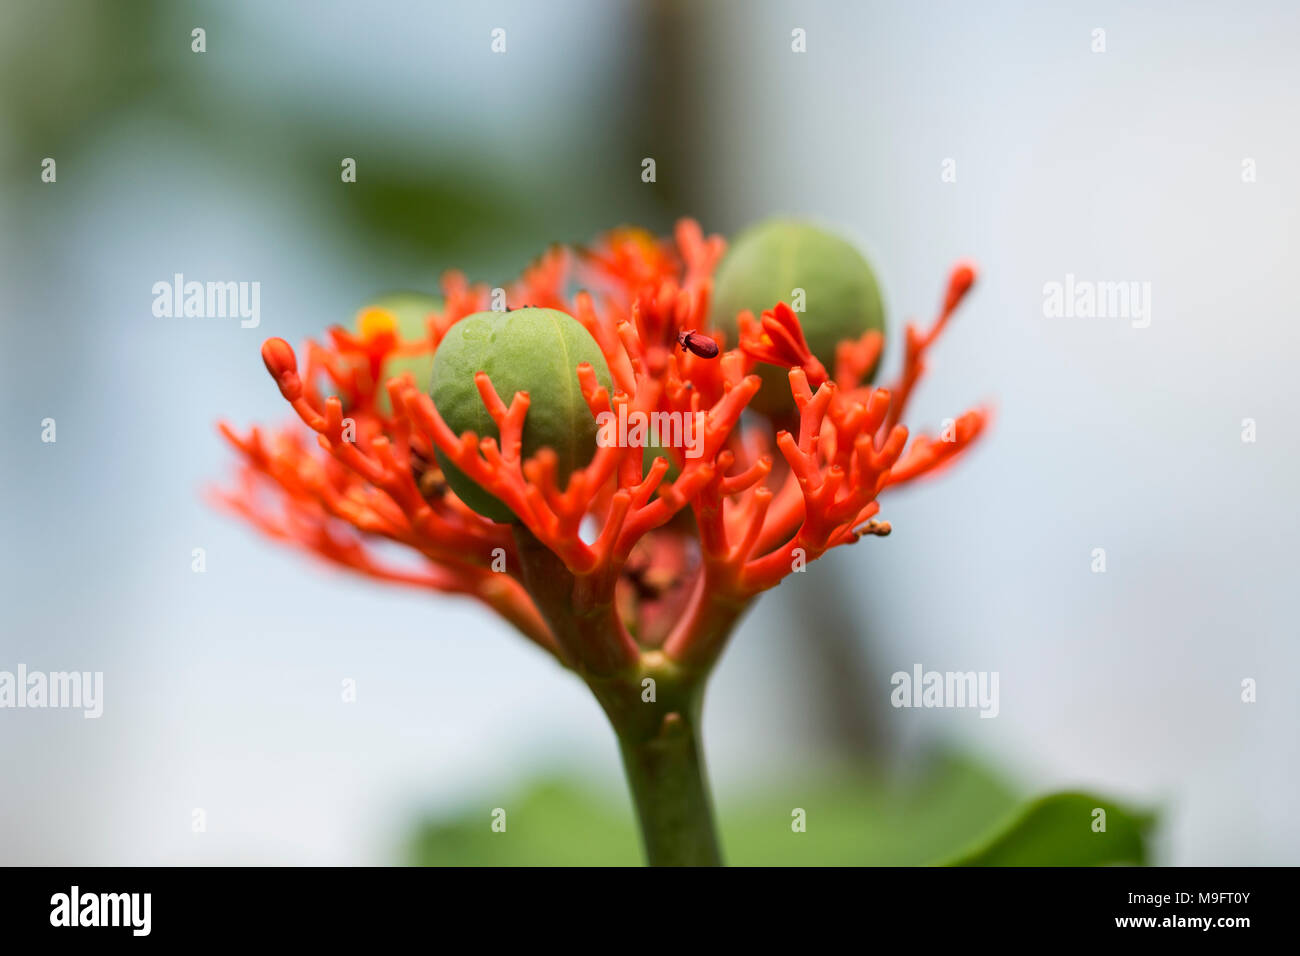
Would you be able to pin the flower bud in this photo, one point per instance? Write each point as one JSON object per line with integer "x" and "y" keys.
{"x": 766, "y": 264}
{"x": 527, "y": 350}
{"x": 403, "y": 314}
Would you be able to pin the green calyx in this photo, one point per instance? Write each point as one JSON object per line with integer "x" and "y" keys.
{"x": 527, "y": 350}
{"x": 766, "y": 264}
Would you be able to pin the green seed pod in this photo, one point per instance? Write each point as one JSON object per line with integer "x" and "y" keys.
{"x": 766, "y": 264}
{"x": 528, "y": 350}
{"x": 407, "y": 312}
{"x": 654, "y": 448}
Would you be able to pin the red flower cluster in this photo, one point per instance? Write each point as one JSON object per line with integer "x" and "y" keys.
{"x": 628, "y": 557}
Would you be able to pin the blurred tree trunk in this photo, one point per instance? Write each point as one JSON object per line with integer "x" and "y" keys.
{"x": 669, "y": 87}
{"x": 834, "y": 653}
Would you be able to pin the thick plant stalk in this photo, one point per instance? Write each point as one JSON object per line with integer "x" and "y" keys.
{"x": 670, "y": 790}
{"x": 652, "y": 701}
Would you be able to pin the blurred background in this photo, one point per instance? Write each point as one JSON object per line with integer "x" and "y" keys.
{"x": 222, "y": 689}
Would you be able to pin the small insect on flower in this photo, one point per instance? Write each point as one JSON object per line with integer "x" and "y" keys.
{"x": 701, "y": 345}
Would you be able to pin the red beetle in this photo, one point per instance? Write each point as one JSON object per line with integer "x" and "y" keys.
{"x": 701, "y": 345}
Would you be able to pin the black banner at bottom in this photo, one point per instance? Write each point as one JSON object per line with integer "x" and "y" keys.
{"x": 214, "y": 905}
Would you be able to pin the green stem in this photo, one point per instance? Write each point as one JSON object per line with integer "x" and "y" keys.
{"x": 667, "y": 777}
{"x": 660, "y": 743}
{"x": 653, "y": 702}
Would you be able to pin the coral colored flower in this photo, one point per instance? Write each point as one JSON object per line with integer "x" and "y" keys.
{"x": 637, "y": 568}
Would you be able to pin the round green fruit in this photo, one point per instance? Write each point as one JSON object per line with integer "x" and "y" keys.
{"x": 654, "y": 448}
{"x": 766, "y": 264}
{"x": 528, "y": 350}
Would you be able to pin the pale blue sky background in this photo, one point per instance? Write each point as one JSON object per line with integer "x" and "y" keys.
{"x": 222, "y": 689}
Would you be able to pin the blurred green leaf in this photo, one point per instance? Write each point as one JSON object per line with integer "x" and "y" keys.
{"x": 851, "y": 820}
{"x": 854, "y": 820}
{"x": 555, "y": 822}
{"x": 1058, "y": 830}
